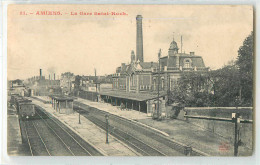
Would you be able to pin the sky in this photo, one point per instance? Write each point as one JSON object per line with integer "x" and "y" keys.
{"x": 80, "y": 43}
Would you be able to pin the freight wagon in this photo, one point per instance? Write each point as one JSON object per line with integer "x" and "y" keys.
{"x": 24, "y": 107}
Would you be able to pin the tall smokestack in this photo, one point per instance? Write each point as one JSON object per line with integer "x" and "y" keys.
{"x": 49, "y": 77}
{"x": 139, "y": 39}
{"x": 54, "y": 76}
{"x": 40, "y": 74}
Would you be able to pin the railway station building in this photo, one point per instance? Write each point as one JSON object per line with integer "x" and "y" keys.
{"x": 138, "y": 84}
{"x": 142, "y": 102}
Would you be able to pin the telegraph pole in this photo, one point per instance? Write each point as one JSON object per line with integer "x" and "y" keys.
{"x": 236, "y": 120}
{"x": 96, "y": 78}
{"x": 79, "y": 118}
{"x": 96, "y": 82}
{"x": 158, "y": 90}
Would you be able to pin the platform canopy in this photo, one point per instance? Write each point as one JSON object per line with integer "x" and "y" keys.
{"x": 132, "y": 96}
{"x": 61, "y": 98}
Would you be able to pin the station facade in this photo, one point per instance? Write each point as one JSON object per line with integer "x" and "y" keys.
{"x": 138, "y": 85}
{"x": 143, "y": 76}
{"x": 140, "y": 79}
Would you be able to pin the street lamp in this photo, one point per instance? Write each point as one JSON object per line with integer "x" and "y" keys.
{"x": 107, "y": 126}
{"x": 79, "y": 115}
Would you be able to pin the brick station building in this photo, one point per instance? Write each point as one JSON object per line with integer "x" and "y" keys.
{"x": 138, "y": 81}
{"x": 136, "y": 84}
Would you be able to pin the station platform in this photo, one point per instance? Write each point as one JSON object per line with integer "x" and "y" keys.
{"x": 14, "y": 139}
{"x": 89, "y": 132}
{"x": 178, "y": 130}
{"x": 132, "y": 115}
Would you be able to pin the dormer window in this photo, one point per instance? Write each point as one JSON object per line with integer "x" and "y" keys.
{"x": 187, "y": 63}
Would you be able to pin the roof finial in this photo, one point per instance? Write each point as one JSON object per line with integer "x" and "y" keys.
{"x": 173, "y": 36}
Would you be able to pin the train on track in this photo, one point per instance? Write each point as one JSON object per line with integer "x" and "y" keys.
{"x": 25, "y": 108}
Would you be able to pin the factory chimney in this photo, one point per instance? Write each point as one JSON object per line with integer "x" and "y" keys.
{"x": 54, "y": 76}
{"x": 40, "y": 74}
{"x": 139, "y": 39}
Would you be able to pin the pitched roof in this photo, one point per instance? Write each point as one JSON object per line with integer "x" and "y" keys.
{"x": 170, "y": 61}
{"x": 148, "y": 65}
{"x": 196, "y": 61}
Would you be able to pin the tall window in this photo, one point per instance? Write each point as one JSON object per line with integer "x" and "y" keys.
{"x": 187, "y": 63}
{"x": 154, "y": 84}
{"x": 162, "y": 84}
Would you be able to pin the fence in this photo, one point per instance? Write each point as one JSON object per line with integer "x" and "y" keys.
{"x": 222, "y": 128}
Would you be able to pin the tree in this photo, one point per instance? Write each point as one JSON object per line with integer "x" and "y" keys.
{"x": 212, "y": 88}
{"x": 221, "y": 87}
{"x": 67, "y": 74}
{"x": 225, "y": 85}
{"x": 245, "y": 65}
{"x": 193, "y": 89}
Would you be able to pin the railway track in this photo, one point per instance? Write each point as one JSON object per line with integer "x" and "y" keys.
{"x": 128, "y": 135}
{"x": 75, "y": 144}
{"x": 140, "y": 129}
{"x": 138, "y": 145}
{"x": 34, "y": 140}
{"x": 135, "y": 143}
{"x": 47, "y": 137}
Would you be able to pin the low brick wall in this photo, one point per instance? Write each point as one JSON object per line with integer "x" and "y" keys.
{"x": 92, "y": 96}
{"x": 225, "y": 129}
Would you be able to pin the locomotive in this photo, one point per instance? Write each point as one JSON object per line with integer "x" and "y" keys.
{"x": 25, "y": 108}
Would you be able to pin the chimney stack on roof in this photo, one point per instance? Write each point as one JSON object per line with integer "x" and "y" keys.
{"x": 192, "y": 53}
{"x": 40, "y": 74}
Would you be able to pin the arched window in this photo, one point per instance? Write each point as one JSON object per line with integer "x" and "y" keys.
{"x": 187, "y": 63}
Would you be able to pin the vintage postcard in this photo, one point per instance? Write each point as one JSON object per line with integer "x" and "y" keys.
{"x": 130, "y": 80}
